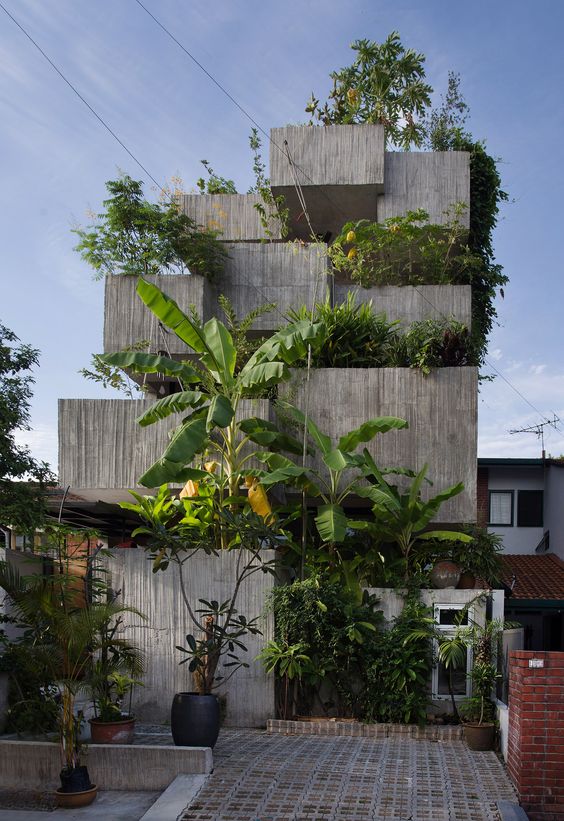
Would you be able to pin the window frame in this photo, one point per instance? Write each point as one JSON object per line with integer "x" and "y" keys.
{"x": 449, "y": 629}
{"x": 501, "y": 524}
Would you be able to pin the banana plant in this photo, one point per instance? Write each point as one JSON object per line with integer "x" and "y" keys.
{"x": 335, "y": 483}
{"x": 211, "y": 390}
{"x": 402, "y": 518}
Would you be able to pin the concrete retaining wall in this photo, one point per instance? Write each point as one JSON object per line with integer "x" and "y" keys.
{"x": 234, "y": 216}
{"x": 408, "y": 304}
{"x": 36, "y": 765}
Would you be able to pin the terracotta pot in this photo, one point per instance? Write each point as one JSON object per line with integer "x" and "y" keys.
{"x": 445, "y": 574}
{"x": 479, "y": 736}
{"x": 467, "y": 581}
{"x": 68, "y": 800}
{"x": 112, "y": 732}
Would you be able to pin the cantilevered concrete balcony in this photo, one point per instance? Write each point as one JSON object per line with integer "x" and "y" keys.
{"x": 339, "y": 168}
{"x": 287, "y": 274}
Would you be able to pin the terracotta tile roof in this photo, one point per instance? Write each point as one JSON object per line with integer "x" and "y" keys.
{"x": 537, "y": 577}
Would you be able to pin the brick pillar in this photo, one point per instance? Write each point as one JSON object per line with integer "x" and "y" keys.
{"x": 535, "y": 756}
{"x": 482, "y": 498}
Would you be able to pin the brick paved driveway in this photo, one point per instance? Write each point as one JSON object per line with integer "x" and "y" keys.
{"x": 264, "y": 777}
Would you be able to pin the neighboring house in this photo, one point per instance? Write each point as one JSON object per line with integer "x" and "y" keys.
{"x": 522, "y": 500}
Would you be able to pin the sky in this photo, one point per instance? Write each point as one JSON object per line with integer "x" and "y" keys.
{"x": 55, "y": 156}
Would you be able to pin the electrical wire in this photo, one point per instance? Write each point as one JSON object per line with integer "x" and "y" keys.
{"x": 80, "y": 96}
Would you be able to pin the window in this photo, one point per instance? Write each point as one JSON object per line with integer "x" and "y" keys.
{"x": 529, "y": 508}
{"x": 447, "y": 618}
{"x": 501, "y": 508}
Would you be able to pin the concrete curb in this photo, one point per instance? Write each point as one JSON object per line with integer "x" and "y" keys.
{"x": 178, "y": 795}
{"x": 511, "y": 812}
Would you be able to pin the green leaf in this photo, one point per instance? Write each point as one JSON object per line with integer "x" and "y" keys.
{"x": 289, "y": 344}
{"x": 264, "y": 375}
{"x": 151, "y": 363}
{"x": 446, "y": 536}
{"x": 220, "y": 412}
{"x": 331, "y": 523}
{"x": 221, "y": 355}
{"x": 322, "y": 441}
{"x": 368, "y": 430}
{"x": 175, "y": 403}
{"x": 188, "y": 440}
{"x": 171, "y": 315}
{"x": 337, "y": 460}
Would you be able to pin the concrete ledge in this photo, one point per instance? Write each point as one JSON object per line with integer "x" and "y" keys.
{"x": 358, "y": 730}
{"x": 36, "y": 764}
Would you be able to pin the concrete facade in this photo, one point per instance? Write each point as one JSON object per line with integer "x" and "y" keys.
{"x": 233, "y": 216}
{"x": 434, "y": 406}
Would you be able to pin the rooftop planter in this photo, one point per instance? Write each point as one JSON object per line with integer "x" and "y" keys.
{"x": 340, "y": 169}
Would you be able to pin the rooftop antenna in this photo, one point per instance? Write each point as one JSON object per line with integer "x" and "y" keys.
{"x": 538, "y": 430}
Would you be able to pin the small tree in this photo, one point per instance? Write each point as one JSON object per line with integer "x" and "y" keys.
{"x": 136, "y": 237}
{"x": 385, "y": 84}
{"x": 22, "y": 503}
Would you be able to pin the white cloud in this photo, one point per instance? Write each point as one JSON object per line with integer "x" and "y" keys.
{"x": 496, "y": 354}
{"x": 42, "y": 443}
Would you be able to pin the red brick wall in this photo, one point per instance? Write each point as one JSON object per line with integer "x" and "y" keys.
{"x": 535, "y": 758}
{"x": 483, "y": 502}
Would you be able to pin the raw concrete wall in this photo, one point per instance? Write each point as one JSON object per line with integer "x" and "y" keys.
{"x": 102, "y": 446}
{"x": 440, "y": 409}
{"x": 434, "y": 181}
{"x": 127, "y": 319}
{"x": 391, "y": 601}
{"x": 234, "y": 216}
{"x": 250, "y": 693}
{"x": 408, "y": 304}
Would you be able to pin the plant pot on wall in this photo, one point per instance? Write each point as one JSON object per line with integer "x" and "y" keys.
{"x": 445, "y": 574}
{"x": 479, "y": 736}
{"x": 467, "y": 581}
{"x": 194, "y": 720}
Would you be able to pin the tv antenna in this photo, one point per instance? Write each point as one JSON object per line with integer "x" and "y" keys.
{"x": 538, "y": 430}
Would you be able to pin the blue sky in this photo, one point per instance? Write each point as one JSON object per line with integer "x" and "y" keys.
{"x": 55, "y": 156}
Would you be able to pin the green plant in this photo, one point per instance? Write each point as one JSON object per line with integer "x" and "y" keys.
{"x": 289, "y": 663}
{"x": 178, "y": 529}
{"x": 135, "y": 237}
{"x": 109, "y": 377}
{"x": 481, "y": 556}
{"x": 57, "y": 620}
{"x": 327, "y": 634}
{"x": 239, "y": 329}
{"x": 355, "y": 336}
{"x": 402, "y": 518}
{"x": 273, "y": 212}
{"x": 484, "y": 640}
{"x": 22, "y": 502}
{"x": 398, "y": 675}
{"x": 212, "y": 184}
{"x": 385, "y": 84}
{"x": 212, "y": 426}
{"x": 432, "y": 343}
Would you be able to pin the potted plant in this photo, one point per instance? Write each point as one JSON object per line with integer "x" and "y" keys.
{"x": 478, "y": 711}
{"x": 116, "y": 669}
{"x": 216, "y": 512}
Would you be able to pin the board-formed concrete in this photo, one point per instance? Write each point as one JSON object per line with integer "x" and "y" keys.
{"x": 412, "y": 304}
{"x": 441, "y": 410}
{"x": 250, "y": 693}
{"x": 102, "y": 446}
{"x": 233, "y": 216}
{"x": 435, "y": 181}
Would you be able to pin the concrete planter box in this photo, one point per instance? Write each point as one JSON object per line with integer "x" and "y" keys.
{"x": 340, "y": 169}
{"x": 234, "y": 216}
{"x": 434, "y": 181}
{"x": 410, "y": 304}
{"x": 127, "y": 320}
{"x": 441, "y": 410}
{"x": 102, "y": 446}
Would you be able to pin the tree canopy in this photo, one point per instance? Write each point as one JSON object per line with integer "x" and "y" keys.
{"x": 22, "y": 478}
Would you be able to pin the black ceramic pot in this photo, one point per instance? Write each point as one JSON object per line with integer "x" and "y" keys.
{"x": 194, "y": 720}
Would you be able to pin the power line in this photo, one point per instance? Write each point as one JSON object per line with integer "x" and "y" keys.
{"x": 79, "y": 95}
